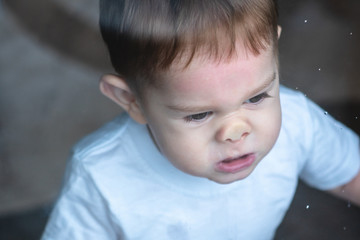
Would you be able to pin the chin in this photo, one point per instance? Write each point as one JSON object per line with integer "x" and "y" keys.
{"x": 228, "y": 180}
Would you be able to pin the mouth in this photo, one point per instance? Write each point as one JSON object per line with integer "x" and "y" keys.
{"x": 234, "y": 165}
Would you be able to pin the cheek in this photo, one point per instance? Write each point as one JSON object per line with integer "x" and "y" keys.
{"x": 183, "y": 155}
{"x": 182, "y": 149}
{"x": 274, "y": 123}
{"x": 172, "y": 143}
{"x": 269, "y": 123}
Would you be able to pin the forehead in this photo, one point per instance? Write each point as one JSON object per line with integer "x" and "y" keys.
{"x": 203, "y": 73}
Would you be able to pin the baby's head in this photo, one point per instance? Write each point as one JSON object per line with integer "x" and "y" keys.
{"x": 202, "y": 74}
{"x": 146, "y": 37}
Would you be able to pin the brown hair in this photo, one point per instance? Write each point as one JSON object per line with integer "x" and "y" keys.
{"x": 144, "y": 37}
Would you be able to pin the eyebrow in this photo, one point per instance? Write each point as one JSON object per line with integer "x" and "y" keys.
{"x": 266, "y": 85}
{"x": 199, "y": 109}
{"x": 188, "y": 109}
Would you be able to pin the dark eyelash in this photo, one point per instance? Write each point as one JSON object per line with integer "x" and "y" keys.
{"x": 259, "y": 97}
{"x": 192, "y": 118}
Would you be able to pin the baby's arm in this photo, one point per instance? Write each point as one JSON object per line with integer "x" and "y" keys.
{"x": 349, "y": 191}
{"x": 335, "y": 156}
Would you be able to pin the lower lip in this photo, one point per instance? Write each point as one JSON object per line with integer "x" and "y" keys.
{"x": 236, "y": 165}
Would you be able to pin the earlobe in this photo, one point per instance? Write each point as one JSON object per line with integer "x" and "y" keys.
{"x": 279, "y": 31}
{"x": 115, "y": 88}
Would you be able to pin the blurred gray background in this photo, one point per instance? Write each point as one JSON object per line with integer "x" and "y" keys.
{"x": 52, "y": 56}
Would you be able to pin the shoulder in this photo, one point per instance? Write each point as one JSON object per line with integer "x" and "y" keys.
{"x": 292, "y": 101}
{"x": 104, "y": 136}
{"x": 296, "y": 139}
{"x": 114, "y": 139}
{"x": 328, "y": 151}
{"x": 302, "y": 117}
{"x": 296, "y": 116}
{"x": 106, "y": 150}
{"x": 110, "y": 158}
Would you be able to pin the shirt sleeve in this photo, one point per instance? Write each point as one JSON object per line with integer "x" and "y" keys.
{"x": 80, "y": 212}
{"x": 333, "y": 158}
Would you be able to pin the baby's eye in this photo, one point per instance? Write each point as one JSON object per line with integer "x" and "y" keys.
{"x": 258, "y": 98}
{"x": 197, "y": 117}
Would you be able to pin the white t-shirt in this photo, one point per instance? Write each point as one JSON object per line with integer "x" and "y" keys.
{"x": 119, "y": 186}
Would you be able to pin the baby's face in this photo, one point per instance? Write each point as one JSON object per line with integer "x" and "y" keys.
{"x": 217, "y": 120}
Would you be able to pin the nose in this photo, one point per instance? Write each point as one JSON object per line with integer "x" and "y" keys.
{"x": 234, "y": 131}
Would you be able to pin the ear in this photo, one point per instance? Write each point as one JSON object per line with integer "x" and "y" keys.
{"x": 115, "y": 88}
{"x": 279, "y": 31}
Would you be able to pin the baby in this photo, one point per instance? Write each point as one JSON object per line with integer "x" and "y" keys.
{"x": 210, "y": 145}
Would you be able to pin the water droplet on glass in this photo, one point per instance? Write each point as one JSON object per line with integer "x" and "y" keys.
{"x": 307, "y": 206}
{"x": 296, "y": 88}
{"x": 319, "y": 69}
{"x": 351, "y": 33}
{"x": 349, "y": 204}
{"x": 305, "y": 21}
{"x": 326, "y": 113}
{"x": 344, "y": 228}
{"x": 356, "y": 118}
{"x": 305, "y": 95}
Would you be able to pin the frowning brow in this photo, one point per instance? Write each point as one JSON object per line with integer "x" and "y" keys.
{"x": 190, "y": 109}
{"x": 199, "y": 109}
{"x": 264, "y": 86}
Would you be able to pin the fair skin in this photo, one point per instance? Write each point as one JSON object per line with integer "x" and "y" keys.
{"x": 215, "y": 120}
{"x": 225, "y": 116}
{"x": 349, "y": 191}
